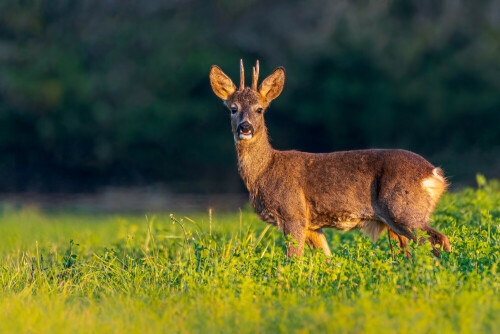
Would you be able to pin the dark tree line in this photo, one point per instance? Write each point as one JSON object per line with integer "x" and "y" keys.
{"x": 96, "y": 93}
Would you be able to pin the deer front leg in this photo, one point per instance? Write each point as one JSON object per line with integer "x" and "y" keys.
{"x": 298, "y": 233}
{"x": 316, "y": 239}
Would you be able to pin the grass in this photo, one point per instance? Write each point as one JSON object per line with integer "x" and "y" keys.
{"x": 63, "y": 272}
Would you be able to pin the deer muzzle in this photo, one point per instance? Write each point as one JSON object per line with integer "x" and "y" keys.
{"x": 245, "y": 130}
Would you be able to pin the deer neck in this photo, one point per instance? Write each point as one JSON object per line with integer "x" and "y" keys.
{"x": 253, "y": 158}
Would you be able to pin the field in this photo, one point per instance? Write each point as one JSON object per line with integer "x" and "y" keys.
{"x": 81, "y": 272}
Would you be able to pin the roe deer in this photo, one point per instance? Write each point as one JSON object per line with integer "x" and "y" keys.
{"x": 301, "y": 193}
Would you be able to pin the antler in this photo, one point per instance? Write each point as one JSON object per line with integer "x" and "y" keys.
{"x": 255, "y": 77}
{"x": 242, "y": 75}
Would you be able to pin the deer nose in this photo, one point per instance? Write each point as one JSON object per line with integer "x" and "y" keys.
{"x": 245, "y": 128}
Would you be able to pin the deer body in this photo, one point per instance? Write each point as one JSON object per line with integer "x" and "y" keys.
{"x": 302, "y": 193}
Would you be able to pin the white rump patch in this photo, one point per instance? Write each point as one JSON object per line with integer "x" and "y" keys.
{"x": 435, "y": 185}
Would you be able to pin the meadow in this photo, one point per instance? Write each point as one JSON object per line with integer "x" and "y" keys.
{"x": 227, "y": 272}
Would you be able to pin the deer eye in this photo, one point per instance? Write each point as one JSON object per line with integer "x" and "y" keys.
{"x": 234, "y": 108}
{"x": 259, "y": 110}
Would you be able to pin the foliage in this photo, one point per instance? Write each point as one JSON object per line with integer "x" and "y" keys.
{"x": 230, "y": 274}
{"x": 116, "y": 92}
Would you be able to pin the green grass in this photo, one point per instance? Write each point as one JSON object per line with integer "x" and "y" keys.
{"x": 137, "y": 274}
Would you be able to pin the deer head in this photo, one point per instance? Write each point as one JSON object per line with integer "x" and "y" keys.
{"x": 247, "y": 104}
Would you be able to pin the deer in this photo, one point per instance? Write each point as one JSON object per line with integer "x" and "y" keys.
{"x": 302, "y": 193}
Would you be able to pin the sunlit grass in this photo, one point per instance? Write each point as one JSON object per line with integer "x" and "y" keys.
{"x": 228, "y": 273}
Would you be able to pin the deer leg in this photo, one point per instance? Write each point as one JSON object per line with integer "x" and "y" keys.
{"x": 316, "y": 239}
{"x": 403, "y": 245}
{"x": 390, "y": 235}
{"x": 402, "y": 242}
{"x": 436, "y": 238}
{"x": 402, "y": 233}
{"x": 298, "y": 233}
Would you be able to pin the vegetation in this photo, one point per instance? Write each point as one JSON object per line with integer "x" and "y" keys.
{"x": 97, "y": 93}
{"x": 69, "y": 272}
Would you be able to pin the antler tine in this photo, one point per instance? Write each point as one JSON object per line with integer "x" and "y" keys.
{"x": 255, "y": 77}
{"x": 242, "y": 75}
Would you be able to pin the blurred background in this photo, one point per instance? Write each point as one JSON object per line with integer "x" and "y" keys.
{"x": 101, "y": 97}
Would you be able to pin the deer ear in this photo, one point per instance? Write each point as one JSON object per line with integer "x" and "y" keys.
{"x": 272, "y": 86}
{"x": 222, "y": 86}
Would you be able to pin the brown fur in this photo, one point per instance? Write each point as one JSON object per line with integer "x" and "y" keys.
{"x": 302, "y": 193}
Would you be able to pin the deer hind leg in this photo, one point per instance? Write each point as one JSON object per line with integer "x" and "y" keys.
{"x": 436, "y": 238}
{"x": 402, "y": 242}
{"x": 404, "y": 219}
{"x": 400, "y": 232}
{"x": 316, "y": 239}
